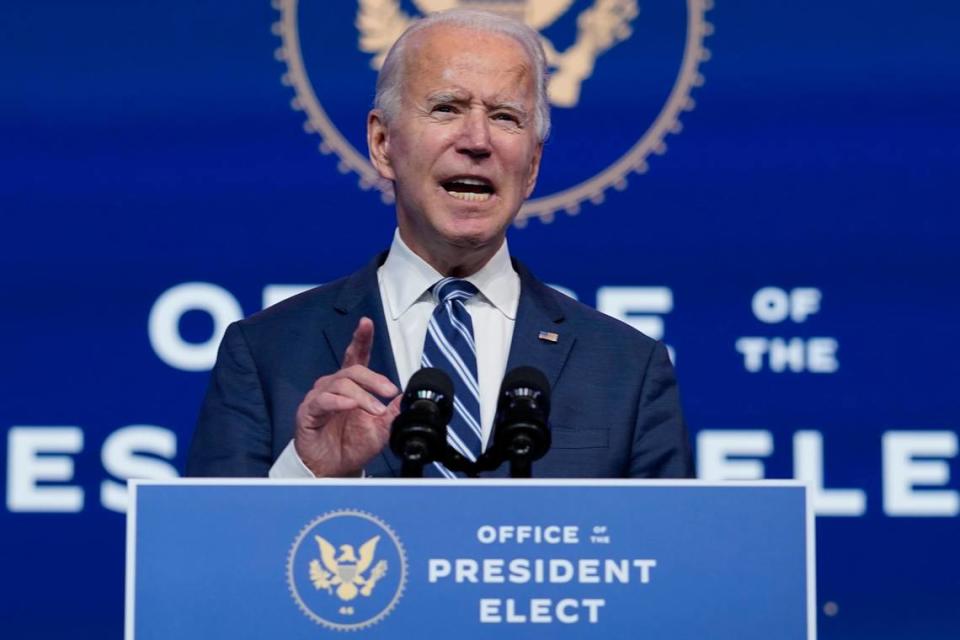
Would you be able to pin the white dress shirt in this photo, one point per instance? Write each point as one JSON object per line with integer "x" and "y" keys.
{"x": 405, "y": 280}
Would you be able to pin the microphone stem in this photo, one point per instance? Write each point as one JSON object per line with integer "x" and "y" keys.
{"x": 411, "y": 469}
{"x": 521, "y": 468}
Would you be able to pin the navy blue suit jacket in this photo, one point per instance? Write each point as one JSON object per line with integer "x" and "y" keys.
{"x": 615, "y": 409}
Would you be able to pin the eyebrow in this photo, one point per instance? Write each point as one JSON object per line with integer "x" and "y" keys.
{"x": 512, "y": 106}
{"x": 440, "y": 97}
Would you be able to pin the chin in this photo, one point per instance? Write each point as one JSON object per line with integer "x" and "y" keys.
{"x": 469, "y": 241}
{"x": 474, "y": 233}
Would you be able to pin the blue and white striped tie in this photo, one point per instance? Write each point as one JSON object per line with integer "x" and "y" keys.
{"x": 449, "y": 346}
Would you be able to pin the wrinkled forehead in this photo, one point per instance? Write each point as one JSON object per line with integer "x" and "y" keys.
{"x": 442, "y": 53}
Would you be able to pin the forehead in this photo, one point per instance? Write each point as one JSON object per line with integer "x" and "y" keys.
{"x": 446, "y": 56}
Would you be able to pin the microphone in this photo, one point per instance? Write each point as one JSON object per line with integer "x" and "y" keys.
{"x": 419, "y": 434}
{"x": 521, "y": 433}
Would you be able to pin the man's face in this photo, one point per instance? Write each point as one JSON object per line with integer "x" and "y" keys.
{"x": 462, "y": 151}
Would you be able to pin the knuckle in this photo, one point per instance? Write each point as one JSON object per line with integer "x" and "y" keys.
{"x": 342, "y": 385}
{"x": 323, "y": 382}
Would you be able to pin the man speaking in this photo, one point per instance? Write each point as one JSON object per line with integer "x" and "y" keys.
{"x": 311, "y": 386}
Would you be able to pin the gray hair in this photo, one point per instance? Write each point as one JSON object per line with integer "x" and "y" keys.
{"x": 390, "y": 79}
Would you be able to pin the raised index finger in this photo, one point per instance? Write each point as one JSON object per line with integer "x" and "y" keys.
{"x": 358, "y": 352}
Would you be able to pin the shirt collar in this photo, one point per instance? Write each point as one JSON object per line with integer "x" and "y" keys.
{"x": 406, "y": 278}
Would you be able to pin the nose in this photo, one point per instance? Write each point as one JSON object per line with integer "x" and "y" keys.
{"x": 474, "y": 139}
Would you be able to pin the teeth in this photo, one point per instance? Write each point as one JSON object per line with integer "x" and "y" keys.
{"x": 473, "y": 181}
{"x": 470, "y": 197}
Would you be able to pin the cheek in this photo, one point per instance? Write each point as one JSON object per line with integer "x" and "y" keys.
{"x": 403, "y": 146}
{"x": 416, "y": 159}
{"x": 523, "y": 170}
{"x": 519, "y": 155}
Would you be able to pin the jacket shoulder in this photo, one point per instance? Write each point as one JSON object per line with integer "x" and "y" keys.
{"x": 318, "y": 304}
{"x": 590, "y": 322}
{"x": 306, "y": 303}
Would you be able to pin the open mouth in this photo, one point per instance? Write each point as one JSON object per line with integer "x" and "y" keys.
{"x": 469, "y": 189}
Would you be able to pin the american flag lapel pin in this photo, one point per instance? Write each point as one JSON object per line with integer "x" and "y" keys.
{"x": 548, "y": 336}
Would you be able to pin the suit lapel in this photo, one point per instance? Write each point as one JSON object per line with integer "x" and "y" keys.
{"x": 538, "y": 316}
{"x": 537, "y": 313}
{"x": 359, "y": 297}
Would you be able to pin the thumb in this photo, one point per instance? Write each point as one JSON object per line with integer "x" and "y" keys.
{"x": 393, "y": 409}
{"x": 390, "y": 414}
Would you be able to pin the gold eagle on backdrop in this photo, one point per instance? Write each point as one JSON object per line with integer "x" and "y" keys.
{"x": 599, "y": 27}
{"x": 343, "y": 574}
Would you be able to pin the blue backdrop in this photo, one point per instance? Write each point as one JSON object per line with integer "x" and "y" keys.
{"x": 769, "y": 187}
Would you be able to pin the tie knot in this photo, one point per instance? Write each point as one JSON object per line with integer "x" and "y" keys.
{"x": 450, "y": 289}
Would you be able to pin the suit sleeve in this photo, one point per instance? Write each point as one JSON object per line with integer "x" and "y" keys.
{"x": 233, "y": 436}
{"x": 661, "y": 445}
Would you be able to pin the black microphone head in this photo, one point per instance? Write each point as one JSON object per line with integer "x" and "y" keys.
{"x": 419, "y": 434}
{"x": 521, "y": 432}
{"x": 529, "y": 382}
{"x": 432, "y": 385}
{"x": 526, "y": 377}
{"x": 431, "y": 379}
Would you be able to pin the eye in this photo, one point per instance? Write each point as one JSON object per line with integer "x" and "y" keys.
{"x": 504, "y": 116}
{"x": 444, "y": 108}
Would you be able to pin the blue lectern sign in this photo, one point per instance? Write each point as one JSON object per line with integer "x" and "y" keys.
{"x": 557, "y": 559}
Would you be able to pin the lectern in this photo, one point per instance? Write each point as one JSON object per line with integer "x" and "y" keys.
{"x": 372, "y": 558}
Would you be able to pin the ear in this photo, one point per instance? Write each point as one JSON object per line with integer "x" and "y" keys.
{"x": 378, "y": 145}
{"x": 534, "y": 168}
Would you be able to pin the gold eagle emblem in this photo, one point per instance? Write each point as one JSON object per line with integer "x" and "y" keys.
{"x": 346, "y": 574}
{"x": 599, "y": 27}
